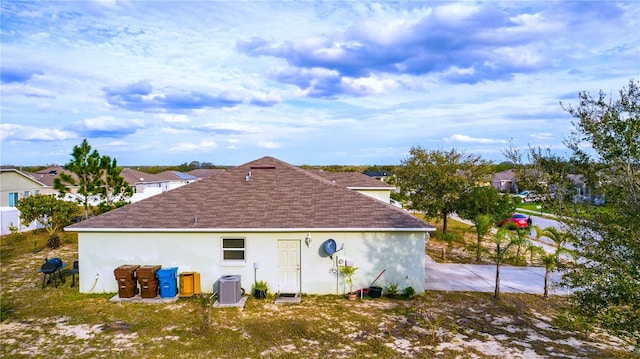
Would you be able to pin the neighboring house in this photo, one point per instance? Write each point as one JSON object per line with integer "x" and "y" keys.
{"x": 146, "y": 185}
{"x": 505, "y": 181}
{"x": 47, "y": 175}
{"x": 177, "y": 179}
{"x": 359, "y": 182}
{"x": 379, "y": 175}
{"x": 15, "y": 185}
{"x": 264, "y": 220}
{"x": 579, "y": 185}
{"x": 206, "y": 172}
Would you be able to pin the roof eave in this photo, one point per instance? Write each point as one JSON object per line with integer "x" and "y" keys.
{"x": 251, "y": 230}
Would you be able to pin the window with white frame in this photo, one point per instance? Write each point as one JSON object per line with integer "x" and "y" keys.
{"x": 233, "y": 249}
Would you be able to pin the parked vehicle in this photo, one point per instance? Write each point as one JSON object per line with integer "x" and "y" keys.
{"x": 518, "y": 219}
{"x": 529, "y": 196}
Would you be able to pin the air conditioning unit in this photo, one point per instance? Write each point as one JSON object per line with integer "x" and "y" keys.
{"x": 229, "y": 290}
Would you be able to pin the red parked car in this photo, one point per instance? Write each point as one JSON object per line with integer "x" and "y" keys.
{"x": 520, "y": 220}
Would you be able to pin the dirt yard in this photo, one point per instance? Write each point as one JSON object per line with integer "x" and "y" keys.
{"x": 62, "y": 322}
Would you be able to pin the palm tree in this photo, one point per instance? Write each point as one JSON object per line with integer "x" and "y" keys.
{"x": 559, "y": 239}
{"x": 521, "y": 240}
{"x": 482, "y": 227}
{"x": 551, "y": 261}
{"x": 503, "y": 240}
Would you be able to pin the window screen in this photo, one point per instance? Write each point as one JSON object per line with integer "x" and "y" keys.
{"x": 233, "y": 249}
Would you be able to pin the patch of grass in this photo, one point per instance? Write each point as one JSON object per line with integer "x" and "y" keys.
{"x": 17, "y": 244}
{"x": 62, "y": 321}
{"x": 533, "y": 206}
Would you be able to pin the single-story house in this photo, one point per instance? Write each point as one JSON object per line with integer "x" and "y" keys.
{"x": 359, "y": 182}
{"x": 505, "y": 181}
{"x": 264, "y": 220}
{"x": 15, "y": 185}
{"x": 146, "y": 185}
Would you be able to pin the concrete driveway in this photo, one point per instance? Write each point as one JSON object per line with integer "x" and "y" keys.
{"x": 481, "y": 278}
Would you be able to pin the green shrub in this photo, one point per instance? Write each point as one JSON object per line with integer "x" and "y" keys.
{"x": 54, "y": 241}
{"x": 409, "y": 292}
{"x": 391, "y": 290}
{"x": 5, "y": 308}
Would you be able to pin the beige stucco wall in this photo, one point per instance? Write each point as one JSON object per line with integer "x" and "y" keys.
{"x": 400, "y": 253}
{"x": 11, "y": 181}
{"x": 383, "y": 195}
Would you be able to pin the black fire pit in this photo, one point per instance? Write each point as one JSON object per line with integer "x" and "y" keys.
{"x": 49, "y": 268}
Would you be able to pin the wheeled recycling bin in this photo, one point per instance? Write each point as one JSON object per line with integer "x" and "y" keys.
{"x": 168, "y": 282}
{"x": 126, "y": 277}
{"x": 148, "y": 281}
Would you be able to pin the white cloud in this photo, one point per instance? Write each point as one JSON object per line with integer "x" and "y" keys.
{"x": 107, "y": 126}
{"x": 543, "y": 135}
{"x": 468, "y": 139}
{"x": 204, "y": 146}
{"x": 28, "y": 133}
{"x": 369, "y": 85}
{"x": 173, "y": 118}
{"x": 338, "y": 76}
{"x": 269, "y": 145}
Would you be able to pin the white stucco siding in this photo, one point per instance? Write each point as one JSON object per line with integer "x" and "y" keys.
{"x": 383, "y": 195}
{"x": 400, "y": 253}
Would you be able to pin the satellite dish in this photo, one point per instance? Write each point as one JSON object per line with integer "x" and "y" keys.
{"x": 330, "y": 246}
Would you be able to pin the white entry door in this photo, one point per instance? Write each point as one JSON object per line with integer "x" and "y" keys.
{"x": 289, "y": 266}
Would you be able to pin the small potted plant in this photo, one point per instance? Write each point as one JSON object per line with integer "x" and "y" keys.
{"x": 348, "y": 272}
{"x": 260, "y": 289}
{"x": 391, "y": 290}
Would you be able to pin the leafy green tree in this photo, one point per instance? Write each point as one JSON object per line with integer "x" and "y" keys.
{"x": 52, "y": 213}
{"x": 545, "y": 173}
{"x": 434, "y": 180}
{"x": 485, "y": 207}
{"x": 606, "y": 148}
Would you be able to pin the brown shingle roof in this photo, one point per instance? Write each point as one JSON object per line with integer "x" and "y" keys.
{"x": 133, "y": 176}
{"x": 206, "y": 172}
{"x": 352, "y": 179}
{"x": 175, "y": 176}
{"x": 264, "y": 194}
{"x": 47, "y": 175}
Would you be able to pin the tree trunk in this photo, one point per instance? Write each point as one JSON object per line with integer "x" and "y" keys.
{"x": 444, "y": 224}
{"x": 546, "y": 283}
{"x": 497, "y": 291}
{"x": 478, "y": 249}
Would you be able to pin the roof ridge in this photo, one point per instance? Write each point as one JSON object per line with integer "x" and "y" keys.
{"x": 277, "y": 195}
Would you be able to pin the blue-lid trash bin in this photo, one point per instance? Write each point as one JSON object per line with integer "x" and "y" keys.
{"x": 168, "y": 278}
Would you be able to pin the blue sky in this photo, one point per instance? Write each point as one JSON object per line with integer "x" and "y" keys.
{"x": 226, "y": 82}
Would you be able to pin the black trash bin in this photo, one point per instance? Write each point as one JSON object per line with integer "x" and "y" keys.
{"x": 126, "y": 277}
{"x": 375, "y": 292}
